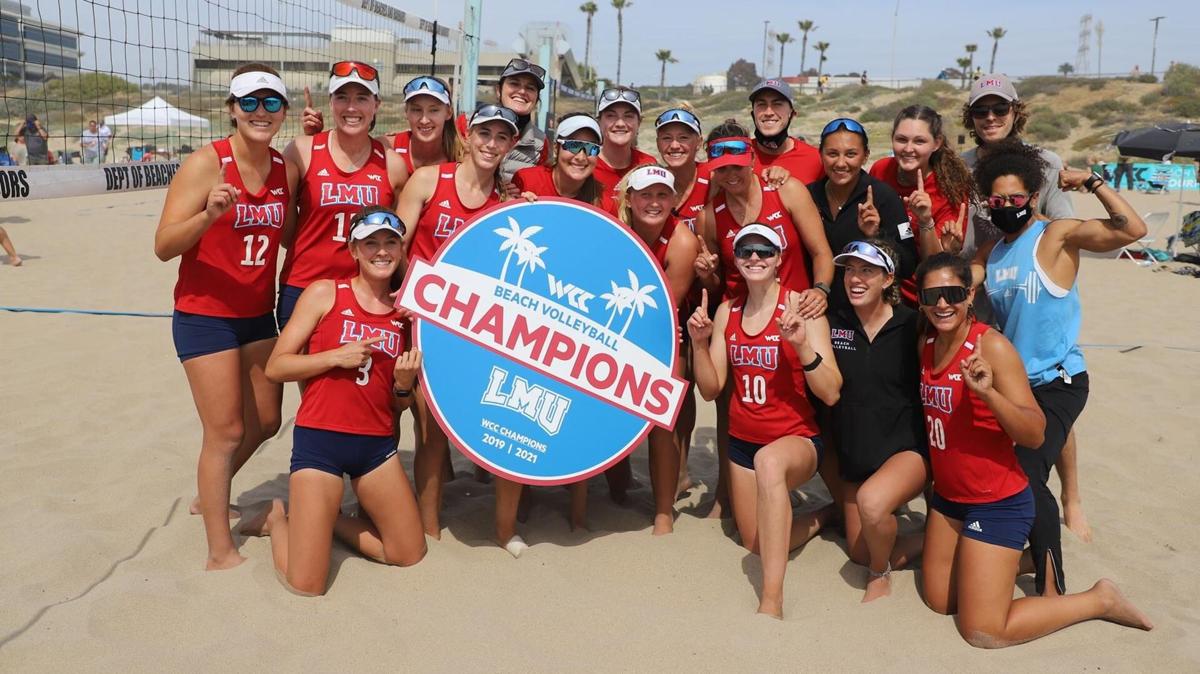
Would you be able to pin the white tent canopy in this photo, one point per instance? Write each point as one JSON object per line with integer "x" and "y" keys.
{"x": 156, "y": 112}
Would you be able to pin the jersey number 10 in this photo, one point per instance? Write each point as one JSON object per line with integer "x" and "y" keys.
{"x": 754, "y": 389}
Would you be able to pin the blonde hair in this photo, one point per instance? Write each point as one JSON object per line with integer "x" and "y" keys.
{"x": 624, "y": 209}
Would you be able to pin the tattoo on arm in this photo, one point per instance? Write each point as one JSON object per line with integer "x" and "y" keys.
{"x": 1118, "y": 221}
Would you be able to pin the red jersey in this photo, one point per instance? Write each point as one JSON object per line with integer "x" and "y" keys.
{"x": 400, "y": 144}
{"x": 329, "y": 197}
{"x": 230, "y": 271}
{"x": 540, "y": 181}
{"x": 972, "y": 457}
{"x": 770, "y": 395}
{"x": 443, "y": 214}
{"x": 693, "y": 206}
{"x": 355, "y": 401}
{"x": 803, "y": 161}
{"x": 793, "y": 270}
{"x": 886, "y": 169}
{"x": 609, "y": 176}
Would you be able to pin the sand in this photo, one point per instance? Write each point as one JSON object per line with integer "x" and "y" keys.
{"x": 102, "y": 565}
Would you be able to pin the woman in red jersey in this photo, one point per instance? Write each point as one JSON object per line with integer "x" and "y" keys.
{"x": 774, "y": 442}
{"x": 225, "y": 218}
{"x": 439, "y": 199}
{"x": 620, "y": 113}
{"x": 344, "y": 170}
{"x": 745, "y": 200}
{"x": 931, "y": 179}
{"x": 347, "y": 341}
{"x": 977, "y": 403}
{"x": 571, "y": 176}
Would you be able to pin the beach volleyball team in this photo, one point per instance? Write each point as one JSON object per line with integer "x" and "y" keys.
{"x": 921, "y": 319}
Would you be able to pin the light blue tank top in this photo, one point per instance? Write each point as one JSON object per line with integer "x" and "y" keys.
{"x": 1040, "y": 318}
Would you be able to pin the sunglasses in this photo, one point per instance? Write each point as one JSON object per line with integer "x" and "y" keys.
{"x": 764, "y": 251}
{"x": 734, "y": 147}
{"x": 269, "y": 103}
{"x": 678, "y": 115}
{"x": 344, "y": 68}
{"x": 998, "y": 109}
{"x": 492, "y": 110}
{"x": 577, "y": 146}
{"x": 518, "y": 66}
{"x": 630, "y": 95}
{"x": 1018, "y": 200}
{"x": 877, "y": 256}
{"x": 379, "y": 218}
{"x": 929, "y": 297}
{"x": 428, "y": 83}
{"x": 843, "y": 123}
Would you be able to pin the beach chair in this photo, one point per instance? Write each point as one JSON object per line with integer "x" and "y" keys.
{"x": 1139, "y": 251}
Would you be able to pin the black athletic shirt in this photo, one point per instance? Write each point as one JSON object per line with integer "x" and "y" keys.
{"x": 879, "y": 412}
{"x": 894, "y": 228}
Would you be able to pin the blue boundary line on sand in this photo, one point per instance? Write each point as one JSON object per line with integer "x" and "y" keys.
{"x": 89, "y": 312}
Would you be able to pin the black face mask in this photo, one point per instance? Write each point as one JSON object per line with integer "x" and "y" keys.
{"x": 522, "y": 122}
{"x": 1011, "y": 219}
{"x": 773, "y": 142}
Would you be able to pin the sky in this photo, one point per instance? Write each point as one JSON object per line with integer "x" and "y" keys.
{"x": 706, "y": 36}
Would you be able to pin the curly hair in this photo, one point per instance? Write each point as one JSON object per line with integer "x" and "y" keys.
{"x": 1011, "y": 157}
{"x": 953, "y": 176}
{"x": 1020, "y": 119}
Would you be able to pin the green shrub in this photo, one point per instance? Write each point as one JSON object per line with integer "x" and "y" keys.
{"x": 88, "y": 88}
{"x": 1146, "y": 78}
{"x": 1109, "y": 111}
{"x": 1032, "y": 86}
{"x": 1181, "y": 87}
{"x": 1046, "y": 125}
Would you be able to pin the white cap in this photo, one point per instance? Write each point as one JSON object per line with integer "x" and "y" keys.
{"x": 576, "y": 123}
{"x": 760, "y": 230}
{"x": 248, "y": 83}
{"x": 645, "y": 176}
{"x": 336, "y": 82}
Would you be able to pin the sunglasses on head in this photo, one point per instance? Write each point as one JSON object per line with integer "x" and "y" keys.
{"x": 871, "y": 251}
{"x": 379, "y": 218}
{"x": 722, "y": 148}
{"x": 518, "y": 66}
{"x": 677, "y": 115}
{"x": 344, "y": 68}
{"x": 493, "y": 110}
{"x": 743, "y": 251}
{"x": 428, "y": 83}
{"x": 979, "y": 111}
{"x": 630, "y": 95}
{"x": 929, "y": 297}
{"x": 1018, "y": 200}
{"x": 577, "y": 146}
{"x": 843, "y": 123}
{"x": 269, "y": 103}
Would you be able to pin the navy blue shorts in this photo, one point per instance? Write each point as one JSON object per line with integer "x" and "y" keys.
{"x": 1006, "y": 522}
{"x": 197, "y": 335}
{"x": 286, "y": 304}
{"x": 742, "y": 452}
{"x": 339, "y": 453}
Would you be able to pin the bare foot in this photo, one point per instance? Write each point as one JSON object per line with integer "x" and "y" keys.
{"x": 515, "y": 546}
{"x": 1076, "y": 520}
{"x": 877, "y": 588}
{"x": 222, "y": 563}
{"x": 579, "y": 524}
{"x": 685, "y": 484}
{"x": 1120, "y": 610}
{"x": 194, "y": 509}
{"x": 15, "y": 260}
{"x": 260, "y": 524}
{"x": 772, "y": 608}
{"x": 663, "y": 525}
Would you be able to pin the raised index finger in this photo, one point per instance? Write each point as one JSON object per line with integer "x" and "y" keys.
{"x": 870, "y": 196}
{"x": 307, "y": 98}
{"x": 920, "y": 181}
{"x": 704, "y": 300}
{"x": 372, "y": 341}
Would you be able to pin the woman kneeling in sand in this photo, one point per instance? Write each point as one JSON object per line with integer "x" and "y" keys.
{"x": 774, "y": 443}
{"x": 977, "y": 404}
{"x": 346, "y": 341}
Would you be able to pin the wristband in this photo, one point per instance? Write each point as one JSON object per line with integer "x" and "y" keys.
{"x": 1093, "y": 183}
{"x": 401, "y": 392}
{"x": 823, "y": 287}
{"x": 814, "y": 364}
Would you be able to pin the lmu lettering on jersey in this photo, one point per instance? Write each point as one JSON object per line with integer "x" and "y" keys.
{"x": 334, "y": 194}
{"x": 353, "y": 331}
{"x": 259, "y": 215}
{"x": 763, "y": 357}
{"x": 938, "y": 397}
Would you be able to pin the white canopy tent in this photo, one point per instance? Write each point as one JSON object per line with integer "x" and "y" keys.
{"x": 157, "y": 112}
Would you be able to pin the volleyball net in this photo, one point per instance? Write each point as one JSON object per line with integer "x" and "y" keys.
{"x": 153, "y": 77}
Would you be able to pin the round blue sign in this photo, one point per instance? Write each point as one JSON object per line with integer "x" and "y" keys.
{"x": 549, "y": 340}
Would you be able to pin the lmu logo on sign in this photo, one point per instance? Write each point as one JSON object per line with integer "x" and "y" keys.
{"x": 545, "y": 361}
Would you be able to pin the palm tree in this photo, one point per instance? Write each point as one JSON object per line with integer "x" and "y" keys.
{"x": 784, "y": 40}
{"x": 530, "y": 257}
{"x": 806, "y": 27}
{"x": 515, "y": 239}
{"x": 971, "y": 49}
{"x": 664, "y": 55}
{"x": 821, "y": 47}
{"x": 1066, "y": 69}
{"x": 964, "y": 65}
{"x": 995, "y": 33}
{"x": 590, "y": 9}
{"x": 638, "y": 299}
{"x": 620, "y": 6}
{"x": 616, "y": 302}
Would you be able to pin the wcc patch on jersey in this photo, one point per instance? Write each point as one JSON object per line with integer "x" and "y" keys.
{"x": 543, "y": 361}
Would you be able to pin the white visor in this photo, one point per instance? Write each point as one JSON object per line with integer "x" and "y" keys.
{"x": 576, "y": 123}
{"x": 248, "y": 83}
{"x": 426, "y": 91}
{"x": 336, "y": 83}
{"x": 760, "y": 230}
{"x": 645, "y": 176}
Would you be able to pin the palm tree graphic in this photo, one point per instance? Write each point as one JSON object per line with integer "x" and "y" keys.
{"x": 616, "y": 302}
{"x": 529, "y": 257}
{"x": 515, "y": 240}
{"x": 638, "y": 299}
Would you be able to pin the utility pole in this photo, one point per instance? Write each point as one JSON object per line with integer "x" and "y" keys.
{"x": 764, "y": 55}
{"x": 1099, "y": 46}
{"x": 895, "y": 20}
{"x": 1154, "y": 45}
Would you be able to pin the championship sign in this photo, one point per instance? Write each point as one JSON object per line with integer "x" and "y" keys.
{"x": 548, "y": 338}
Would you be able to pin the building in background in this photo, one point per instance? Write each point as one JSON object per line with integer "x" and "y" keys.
{"x": 705, "y": 85}
{"x": 33, "y": 50}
